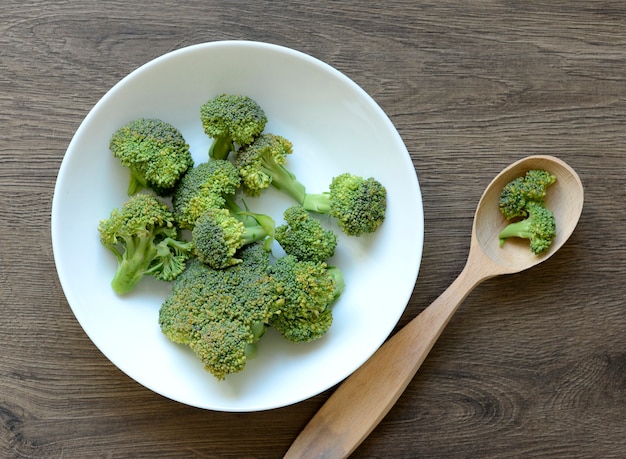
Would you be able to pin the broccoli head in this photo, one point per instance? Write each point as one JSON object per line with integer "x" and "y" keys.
{"x": 537, "y": 182}
{"x": 263, "y": 163}
{"x": 532, "y": 187}
{"x": 183, "y": 305}
{"x": 142, "y": 236}
{"x": 224, "y": 346}
{"x": 358, "y": 204}
{"x": 229, "y": 120}
{"x": 539, "y": 227}
{"x": 302, "y": 293}
{"x": 154, "y": 151}
{"x": 220, "y": 314}
{"x": 304, "y": 237}
{"x": 203, "y": 187}
{"x": 219, "y": 233}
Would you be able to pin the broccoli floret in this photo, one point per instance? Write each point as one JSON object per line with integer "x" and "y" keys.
{"x": 229, "y": 120}
{"x": 522, "y": 201}
{"x": 220, "y": 314}
{"x": 358, "y": 204}
{"x": 263, "y": 163}
{"x": 516, "y": 194}
{"x": 302, "y": 294}
{"x": 539, "y": 227}
{"x": 142, "y": 236}
{"x": 154, "y": 151}
{"x": 204, "y": 187}
{"x": 224, "y": 346}
{"x": 304, "y": 237}
{"x": 219, "y": 233}
{"x": 537, "y": 182}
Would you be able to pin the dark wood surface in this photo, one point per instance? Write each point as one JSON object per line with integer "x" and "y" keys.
{"x": 533, "y": 365}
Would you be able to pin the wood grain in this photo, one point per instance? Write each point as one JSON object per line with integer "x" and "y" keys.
{"x": 532, "y": 365}
{"x": 361, "y": 401}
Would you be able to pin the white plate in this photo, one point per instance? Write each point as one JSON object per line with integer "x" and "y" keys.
{"x": 335, "y": 127}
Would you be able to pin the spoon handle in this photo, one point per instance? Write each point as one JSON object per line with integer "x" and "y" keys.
{"x": 363, "y": 399}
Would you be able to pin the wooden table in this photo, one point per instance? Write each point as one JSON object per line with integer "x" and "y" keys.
{"x": 533, "y": 365}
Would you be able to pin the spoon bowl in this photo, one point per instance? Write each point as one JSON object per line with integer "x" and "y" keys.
{"x": 565, "y": 199}
{"x": 362, "y": 400}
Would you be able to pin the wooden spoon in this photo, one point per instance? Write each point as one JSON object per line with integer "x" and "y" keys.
{"x": 363, "y": 399}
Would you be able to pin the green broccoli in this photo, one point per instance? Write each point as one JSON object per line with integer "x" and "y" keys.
{"x": 532, "y": 187}
{"x": 358, "y": 204}
{"x": 219, "y": 233}
{"x": 220, "y": 314}
{"x": 302, "y": 293}
{"x": 204, "y": 187}
{"x": 142, "y": 236}
{"x": 304, "y": 237}
{"x": 537, "y": 182}
{"x": 263, "y": 163}
{"x": 539, "y": 226}
{"x": 154, "y": 151}
{"x": 229, "y": 120}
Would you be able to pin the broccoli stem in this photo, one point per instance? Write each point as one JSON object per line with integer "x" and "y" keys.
{"x": 286, "y": 181}
{"x": 136, "y": 183}
{"x": 517, "y": 229}
{"x": 220, "y": 148}
{"x": 251, "y": 220}
{"x": 340, "y": 284}
{"x": 258, "y": 330}
{"x": 178, "y": 246}
{"x": 319, "y": 203}
{"x": 253, "y": 234}
{"x": 132, "y": 267}
{"x": 257, "y": 226}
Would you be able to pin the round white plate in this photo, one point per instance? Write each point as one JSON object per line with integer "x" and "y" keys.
{"x": 335, "y": 127}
